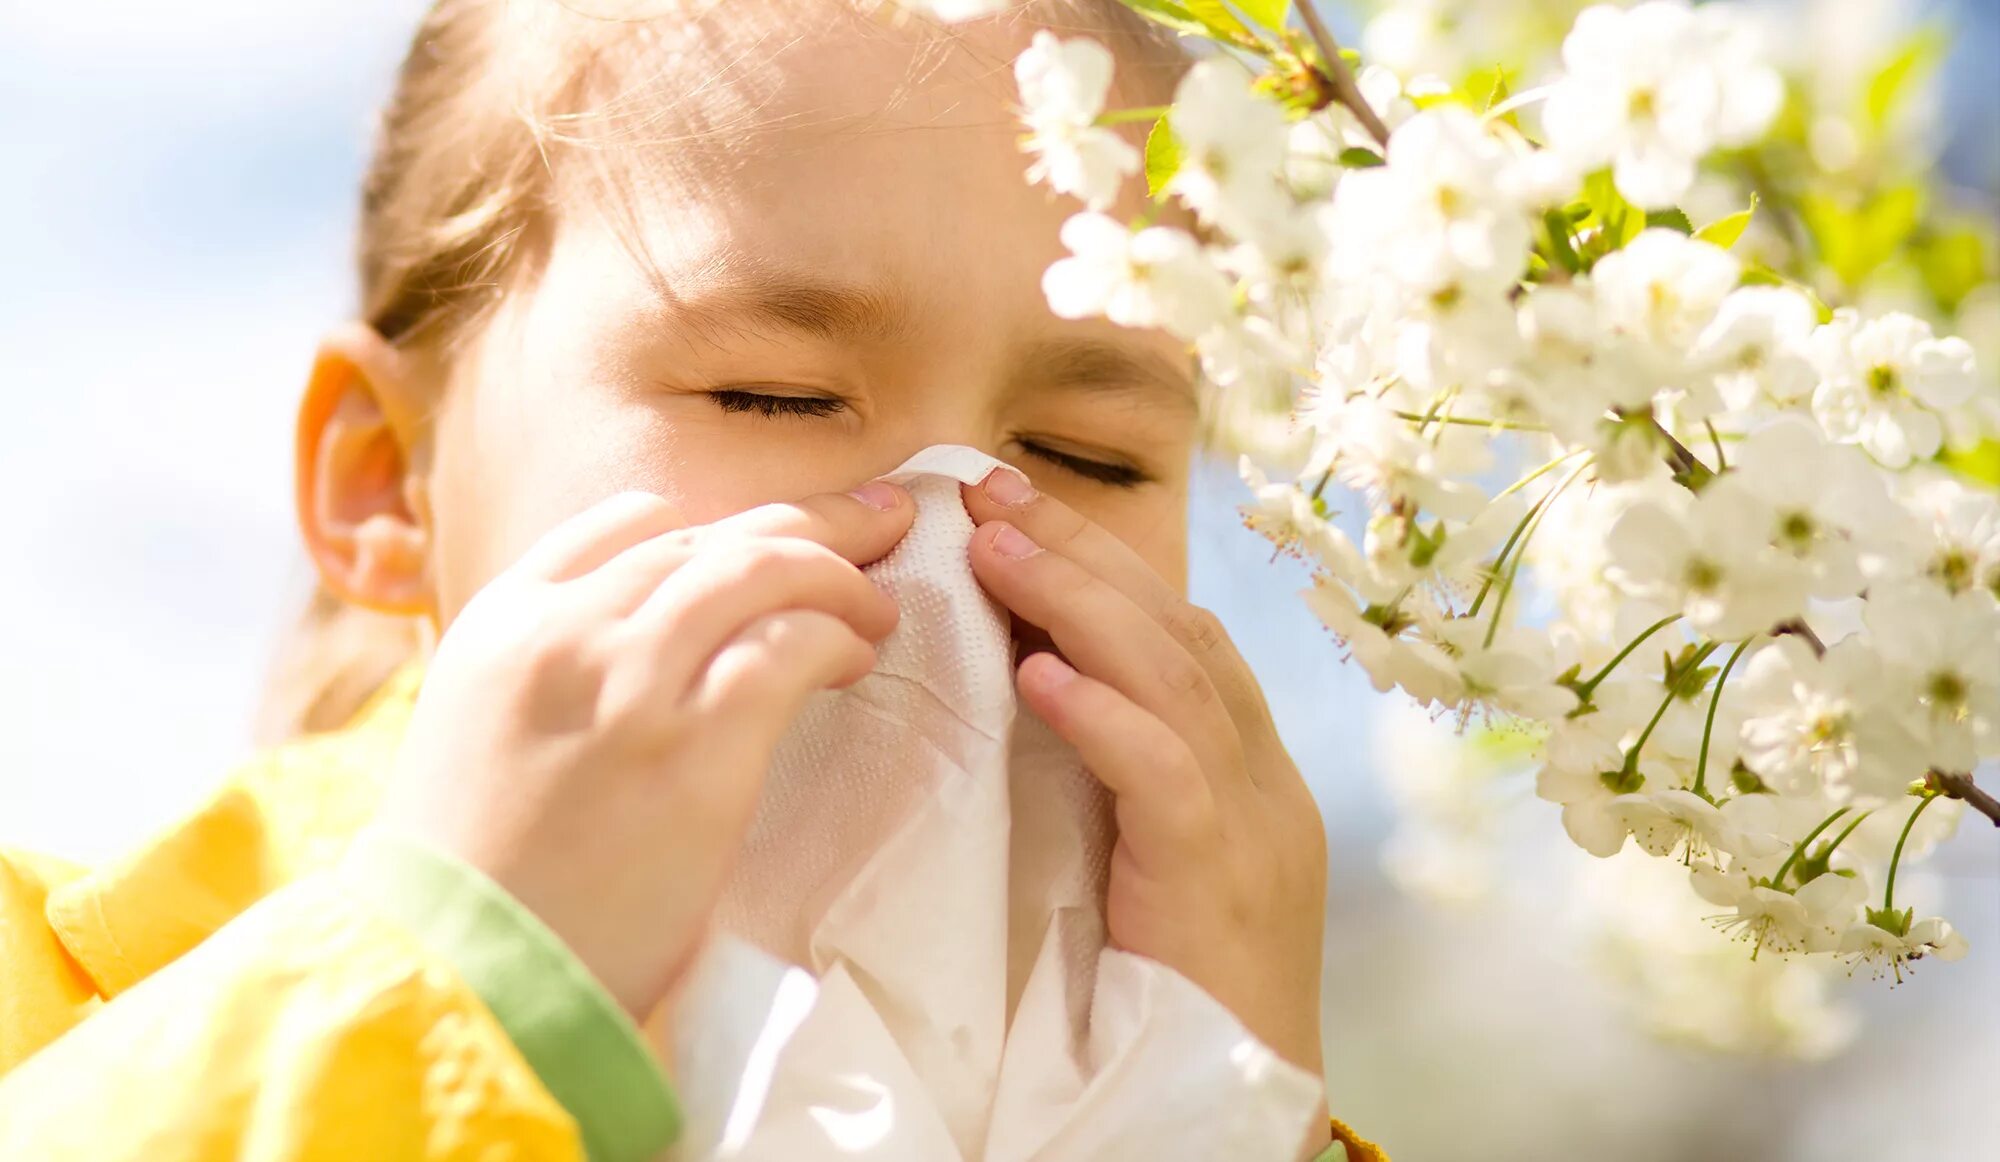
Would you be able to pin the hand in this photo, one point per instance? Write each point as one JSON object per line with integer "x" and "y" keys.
{"x": 596, "y": 723}
{"x": 1220, "y": 867}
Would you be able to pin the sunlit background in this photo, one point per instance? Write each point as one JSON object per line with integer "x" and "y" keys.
{"x": 178, "y": 186}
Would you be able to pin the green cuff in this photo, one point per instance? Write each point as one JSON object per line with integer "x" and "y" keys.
{"x": 1334, "y": 1153}
{"x": 587, "y": 1051}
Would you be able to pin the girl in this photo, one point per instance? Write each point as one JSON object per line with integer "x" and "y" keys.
{"x": 633, "y": 282}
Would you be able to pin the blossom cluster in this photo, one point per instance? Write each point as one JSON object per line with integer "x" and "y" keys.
{"x": 1616, "y": 484}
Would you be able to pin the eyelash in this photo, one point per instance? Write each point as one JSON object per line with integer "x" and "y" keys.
{"x": 815, "y": 407}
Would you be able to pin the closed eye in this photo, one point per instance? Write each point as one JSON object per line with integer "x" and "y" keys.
{"x": 1116, "y": 475}
{"x": 772, "y": 406}
{"x": 818, "y": 407}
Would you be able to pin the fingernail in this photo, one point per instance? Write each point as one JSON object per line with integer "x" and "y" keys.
{"x": 1012, "y": 542}
{"x": 1056, "y": 673}
{"x": 1008, "y": 488}
{"x": 876, "y": 495}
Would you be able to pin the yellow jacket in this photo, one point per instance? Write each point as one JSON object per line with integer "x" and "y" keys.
{"x": 267, "y": 979}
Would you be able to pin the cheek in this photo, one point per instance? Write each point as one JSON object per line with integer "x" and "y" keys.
{"x": 508, "y": 465}
{"x": 1155, "y": 525}
{"x": 1165, "y": 549}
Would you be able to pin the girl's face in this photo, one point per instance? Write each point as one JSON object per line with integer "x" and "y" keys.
{"x": 851, "y": 286}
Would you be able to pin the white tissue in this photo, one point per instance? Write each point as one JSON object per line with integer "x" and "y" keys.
{"x": 910, "y": 960}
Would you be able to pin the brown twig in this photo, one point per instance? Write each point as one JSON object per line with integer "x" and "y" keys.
{"x": 1683, "y": 461}
{"x": 1798, "y": 628}
{"x": 1959, "y": 785}
{"x": 1345, "y": 90}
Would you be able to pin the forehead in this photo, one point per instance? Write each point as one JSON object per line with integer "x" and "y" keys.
{"x": 788, "y": 162}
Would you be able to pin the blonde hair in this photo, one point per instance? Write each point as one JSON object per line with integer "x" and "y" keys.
{"x": 462, "y": 186}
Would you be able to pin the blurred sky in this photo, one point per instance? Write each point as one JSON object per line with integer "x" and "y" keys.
{"x": 179, "y": 190}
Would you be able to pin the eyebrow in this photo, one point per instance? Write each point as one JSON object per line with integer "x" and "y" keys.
{"x": 1100, "y": 367}
{"x": 731, "y": 292}
{"x": 728, "y": 295}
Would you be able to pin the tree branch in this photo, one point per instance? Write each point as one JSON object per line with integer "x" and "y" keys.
{"x": 1959, "y": 785}
{"x": 1798, "y": 628}
{"x": 1345, "y": 90}
{"x": 1683, "y": 461}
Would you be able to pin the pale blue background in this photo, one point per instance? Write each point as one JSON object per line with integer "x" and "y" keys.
{"x": 177, "y": 186}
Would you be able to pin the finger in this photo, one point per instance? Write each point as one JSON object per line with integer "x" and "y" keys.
{"x": 1105, "y": 635}
{"x": 1161, "y": 789}
{"x": 1054, "y": 525}
{"x": 586, "y": 540}
{"x": 759, "y": 680}
{"x": 853, "y": 528}
{"x": 842, "y": 521}
{"x": 695, "y": 610}
{"x": 857, "y": 529}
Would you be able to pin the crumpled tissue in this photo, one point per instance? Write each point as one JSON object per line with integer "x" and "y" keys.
{"x": 910, "y": 961}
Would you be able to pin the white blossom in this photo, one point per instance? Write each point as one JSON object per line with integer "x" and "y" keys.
{"x": 1246, "y": 352}
{"x": 1835, "y": 722}
{"x": 1808, "y": 919}
{"x": 1429, "y": 217}
{"x": 1884, "y": 381}
{"x": 1593, "y": 813}
{"x": 1284, "y": 514}
{"x": 1756, "y": 347}
{"x": 1373, "y": 449}
{"x": 1390, "y": 659}
{"x": 1713, "y": 559}
{"x": 1155, "y": 277}
{"x": 1826, "y": 509}
{"x": 1962, "y": 550}
{"x": 1233, "y": 146}
{"x": 1662, "y": 291}
{"x": 1750, "y": 90}
{"x": 1513, "y": 674}
{"x": 1671, "y": 820}
{"x": 1945, "y": 649}
{"x": 1650, "y": 89}
{"x": 1063, "y": 83}
{"x": 1868, "y": 943}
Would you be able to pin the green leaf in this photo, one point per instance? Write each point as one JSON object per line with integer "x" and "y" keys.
{"x": 1617, "y": 220}
{"x": 1222, "y": 24}
{"x": 1488, "y": 87}
{"x": 1355, "y": 157}
{"x": 1673, "y": 218}
{"x": 1683, "y": 674}
{"x": 1725, "y": 231}
{"x": 1620, "y": 218}
{"x": 1911, "y": 65}
{"x": 1980, "y": 462}
{"x": 1954, "y": 259}
{"x": 1560, "y": 245}
{"x": 1746, "y": 781}
{"x": 1269, "y": 13}
{"x": 1167, "y": 12}
{"x": 1163, "y": 158}
{"x": 1854, "y": 240}
{"x": 1424, "y": 546}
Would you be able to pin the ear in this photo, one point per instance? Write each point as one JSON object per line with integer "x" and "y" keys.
{"x": 362, "y": 509}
